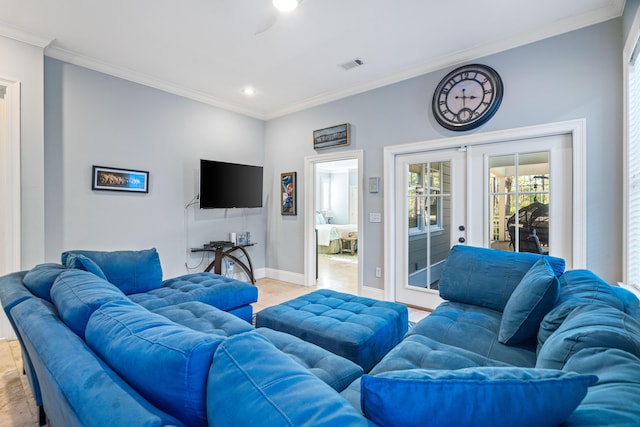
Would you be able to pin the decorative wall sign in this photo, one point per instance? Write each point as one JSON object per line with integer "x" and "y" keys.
{"x": 335, "y": 136}
{"x": 114, "y": 179}
{"x": 289, "y": 205}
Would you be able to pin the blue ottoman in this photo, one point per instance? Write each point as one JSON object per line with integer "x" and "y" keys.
{"x": 360, "y": 329}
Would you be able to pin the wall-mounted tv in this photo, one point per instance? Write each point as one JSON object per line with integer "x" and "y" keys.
{"x": 230, "y": 185}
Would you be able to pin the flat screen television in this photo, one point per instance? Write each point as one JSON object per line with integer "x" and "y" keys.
{"x": 229, "y": 185}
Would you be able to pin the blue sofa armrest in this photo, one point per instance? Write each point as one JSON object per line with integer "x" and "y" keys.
{"x": 78, "y": 389}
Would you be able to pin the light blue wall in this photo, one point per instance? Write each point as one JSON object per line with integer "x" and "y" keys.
{"x": 91, "y": 118}
{"x": 571, "y": 76}
{"x": 95, "y": 119}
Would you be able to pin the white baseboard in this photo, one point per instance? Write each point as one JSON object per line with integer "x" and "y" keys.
{"x": 285, "y": 276}
{"x": 375, "y": 293}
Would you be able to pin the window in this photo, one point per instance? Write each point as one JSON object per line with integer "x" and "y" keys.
{"x": 632, "y": 178}
{"x": 426, "y": 182}
{"x": 519, "y": 183}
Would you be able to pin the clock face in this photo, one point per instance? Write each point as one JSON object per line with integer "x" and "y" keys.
{"x": 467, "y": 97}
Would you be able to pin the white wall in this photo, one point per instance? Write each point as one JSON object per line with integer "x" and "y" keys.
{"x": 95, "y": 119}
{"x": 23, "y": 63}
{"x": 571, "y": 76}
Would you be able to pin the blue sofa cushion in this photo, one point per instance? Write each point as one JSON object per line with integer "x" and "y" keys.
{"x": 583, "y": 287}
{"x": 166, "y": 362}
{"x": 471, "y": 397}
{"x": 81, "y": 262}
{"x": 334, "y": 370}
{"x": 475, "y": 329}
{"x": 280, "y": 391}
{"x": 589, "y": 327}
{"x": 487, "y": 277}
{"x": 221, "y": 292}
{"x": 204, "y": 318}
{"x": 77, "y": 294}
{"x": 611, "y": 400}
{"x": 40, "y": 279}
{"x": 131, "y": 271}
{"x": 532, "y": 299}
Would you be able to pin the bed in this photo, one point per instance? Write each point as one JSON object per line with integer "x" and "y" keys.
{"x": 329, "y": 235}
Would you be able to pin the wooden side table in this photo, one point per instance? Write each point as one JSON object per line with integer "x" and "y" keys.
{"x": 227, "y": 249}
{"x": 352, "y": 239}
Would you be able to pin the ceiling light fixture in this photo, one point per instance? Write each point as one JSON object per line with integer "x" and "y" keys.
{"x": 285, "y": 5}
{"x": 249, "y": 91}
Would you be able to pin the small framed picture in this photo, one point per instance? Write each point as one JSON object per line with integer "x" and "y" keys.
{"x": 288, "y": 190}
{"x": 115, "y": 179}
{"x": 335, "y": 136}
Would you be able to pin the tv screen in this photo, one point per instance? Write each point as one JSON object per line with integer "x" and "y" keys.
{"x": 230, "y": 185}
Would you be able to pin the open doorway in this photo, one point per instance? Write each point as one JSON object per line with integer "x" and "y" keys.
{"x": 336, "y": 200}
{"x": 333, "y": 221}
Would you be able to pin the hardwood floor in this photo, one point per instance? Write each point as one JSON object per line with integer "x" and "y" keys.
{"x": 18, "y": 409}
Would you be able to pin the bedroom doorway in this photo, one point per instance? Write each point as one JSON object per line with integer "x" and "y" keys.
{"x": 332, "y": 221}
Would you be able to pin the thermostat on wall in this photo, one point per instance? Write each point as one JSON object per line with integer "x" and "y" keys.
{"x": 374, "y": 184}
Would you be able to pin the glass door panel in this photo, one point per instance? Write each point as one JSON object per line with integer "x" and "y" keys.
{"x": 429, "y": 195}
{"x": 519, "y": 183}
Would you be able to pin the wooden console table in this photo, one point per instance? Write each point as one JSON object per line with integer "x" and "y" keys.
{"x": 226, "y": 250}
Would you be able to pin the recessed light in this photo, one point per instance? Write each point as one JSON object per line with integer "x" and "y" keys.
{"x": 248, "y": 91}
{"x": 285, "y": 5}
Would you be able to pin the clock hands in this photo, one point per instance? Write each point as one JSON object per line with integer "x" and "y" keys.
{"x": 465, "y": 114}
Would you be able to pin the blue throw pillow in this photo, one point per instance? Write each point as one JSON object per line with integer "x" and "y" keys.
{"x": 532, "y": 299}
{"x": 492, "y": 396}
{"x": 81, "y": 262}
{"x": 40, "y": 279}
{"x": 131, "y": 271}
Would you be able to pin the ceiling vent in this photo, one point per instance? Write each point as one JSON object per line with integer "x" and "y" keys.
{"x": 352, "y": 64}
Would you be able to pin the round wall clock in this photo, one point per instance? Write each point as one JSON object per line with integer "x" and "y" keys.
{"x": 467, "y": 97}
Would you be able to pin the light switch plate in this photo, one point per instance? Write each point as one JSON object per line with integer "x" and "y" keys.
{"x": 375, "y": 217}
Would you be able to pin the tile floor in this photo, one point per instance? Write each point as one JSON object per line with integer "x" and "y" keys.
{"x": 17, "y": 407}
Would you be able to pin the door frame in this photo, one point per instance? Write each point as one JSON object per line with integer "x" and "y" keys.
{"x": 576, "y": 128}
{"x": 11, "y": 169}
{"x": 310, "y": 217}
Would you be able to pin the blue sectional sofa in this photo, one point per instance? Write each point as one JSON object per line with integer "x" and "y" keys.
{"x": 519, "y": 341}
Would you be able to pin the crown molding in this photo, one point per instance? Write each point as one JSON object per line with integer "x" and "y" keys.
{"x": 14, "y": 33}
{"x": 614, "y": 10}
{"x": 143, "y": 79}
{"x": 559, "y": 27}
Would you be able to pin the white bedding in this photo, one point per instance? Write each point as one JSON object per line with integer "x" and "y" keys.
{"x": 329, "y": 232}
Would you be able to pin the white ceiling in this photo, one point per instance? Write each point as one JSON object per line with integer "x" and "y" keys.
{"x": 208, "y": 50}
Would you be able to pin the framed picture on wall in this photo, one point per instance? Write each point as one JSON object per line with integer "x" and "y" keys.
{"x": 115, "y": 179}
{"x": 289, "y": 204}
{"x": 335, "y": 136}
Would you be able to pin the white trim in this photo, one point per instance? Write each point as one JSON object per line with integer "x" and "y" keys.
{"x": 284, "y": 276}
{"x": 309, "y": 211}
{"x": 572, "y": 23}
{"x": 17, "y": 34}
{"x": 146, "y": 80}
{"x": 577, "y": 130}
{"x": 12, "y": 99}
{"x": 11, "y": 193}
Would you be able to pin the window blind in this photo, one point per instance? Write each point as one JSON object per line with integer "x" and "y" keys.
{"x": 633, "y": 177}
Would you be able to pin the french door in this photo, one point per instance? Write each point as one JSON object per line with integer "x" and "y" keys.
{"x": 430, "y": 192}
{"x": 509, "y": 195}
